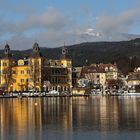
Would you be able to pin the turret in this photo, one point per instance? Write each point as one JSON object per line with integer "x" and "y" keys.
{"x": 7, "y": 53}
{"x": 65, "y": 54}
{"x": 36, "y": 50}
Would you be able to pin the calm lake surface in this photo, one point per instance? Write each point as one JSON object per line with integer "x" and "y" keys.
{"x": 70, "y": 118}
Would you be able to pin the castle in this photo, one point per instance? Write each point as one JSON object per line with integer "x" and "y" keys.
{"x": 35, "y": 73}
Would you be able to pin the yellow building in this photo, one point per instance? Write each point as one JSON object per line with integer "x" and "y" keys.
{"x": 134, "y": 78}
{"x": 35, "y": 72}
{"x": 36, "y": 66}
{"x": 21, "y": 76}
{"x": 79, "y": 91}
{"x": 111, "y": 70}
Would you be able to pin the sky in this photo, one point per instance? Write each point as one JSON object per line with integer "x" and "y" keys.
{"x": 53, "y": 22}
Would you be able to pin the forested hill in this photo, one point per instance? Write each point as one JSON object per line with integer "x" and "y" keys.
{"x": 125, "y": 53}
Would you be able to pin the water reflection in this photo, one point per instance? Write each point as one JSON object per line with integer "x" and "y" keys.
{"x": 70, "y": 118}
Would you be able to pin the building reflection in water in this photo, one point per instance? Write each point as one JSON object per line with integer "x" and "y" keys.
{"x": 39, "y": 118}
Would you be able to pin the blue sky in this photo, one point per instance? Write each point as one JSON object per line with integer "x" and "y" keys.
{"x": 52, "y": 22}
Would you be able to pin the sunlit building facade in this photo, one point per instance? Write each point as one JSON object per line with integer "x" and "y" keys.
{"x": 100, "y": 74}
{"x": 35, "y": 73}
{"x": 134, "y": 78}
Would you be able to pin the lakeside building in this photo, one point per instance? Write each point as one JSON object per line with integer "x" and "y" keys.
{"x": 76, "y": 72}
{"x": 110, "y": 70}
{"x": 134, "y": 77}
{"x": 35, "y": 73}
{"x": 58, "y": 73}
{"x": 99, "y": 74}
{"x": 94, "y": 74}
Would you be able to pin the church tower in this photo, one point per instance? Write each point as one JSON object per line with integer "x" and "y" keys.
{"x": 6, "y": 68}
{"x": 35, "y": 62}
{"x": 7, "y": 53}
{"x": 67, "y": 63}
{"x": 36, "y": 50}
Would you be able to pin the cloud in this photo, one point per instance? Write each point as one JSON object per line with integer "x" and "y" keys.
{"x": 35, "y": 26}
{"x": 51, "y": 28}
{"x": 45, "y": 39}
{"x": 50, "y": 19}
{"x": 112, "y": 26}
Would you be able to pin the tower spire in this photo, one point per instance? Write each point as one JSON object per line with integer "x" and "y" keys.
{"x": 36, "y": 50}
{"x": 7, "y": 50}
{"x": 64, "y": 54}
{"x": 64, "y": 51}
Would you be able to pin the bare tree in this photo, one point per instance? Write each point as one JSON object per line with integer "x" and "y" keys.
{"x": 7, "y": 75}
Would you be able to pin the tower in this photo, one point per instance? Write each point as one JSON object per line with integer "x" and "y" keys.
{"x": 67, "y": 63}
{"x": 7, "y": 50}
{"x": 36, "y": 50}
{"x": 35, "y": 62}
{"x": 65, "y": 54}
{"x": 6, "y": 68}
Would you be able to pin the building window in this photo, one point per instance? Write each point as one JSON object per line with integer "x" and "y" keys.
{"x": 14, "y": 72}
{"x": 22, "y": 71}
{"x": 22, "y": 80}
{"x": 4, "y": 72}
{"x": 27, "y": 80}
{"x": 4, "y": 64}
{"x": 98, "y": 76}
{"x": 55, "y": 71}
{"x": 49, "y": 63}
{"x": 14, "y": 80}
{"x": 28, "y": 71}
{"x": 52, "y": 72}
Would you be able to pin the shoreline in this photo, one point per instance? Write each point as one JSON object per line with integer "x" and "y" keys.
{"x": 59, "y": 96}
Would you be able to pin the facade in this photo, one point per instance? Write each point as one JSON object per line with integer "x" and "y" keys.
{"x": 111, "y": 70}
{"x": 134, "y": 78}
{"x": 35, "y": 73}
{"x": 57, "y": 74}
{"x": 99, "y": 74}
{"x": 94, "y": 74}
{"x": 21, "y": 76}
{"x": 36, "y": 65}
{"x": 76, "y": 72}
{"x": 79, "y": 91}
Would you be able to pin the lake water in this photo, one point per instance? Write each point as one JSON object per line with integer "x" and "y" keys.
{"x": 70, "y": 118}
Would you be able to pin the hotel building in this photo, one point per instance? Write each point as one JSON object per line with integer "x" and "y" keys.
{"x": 35, "y": 73}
